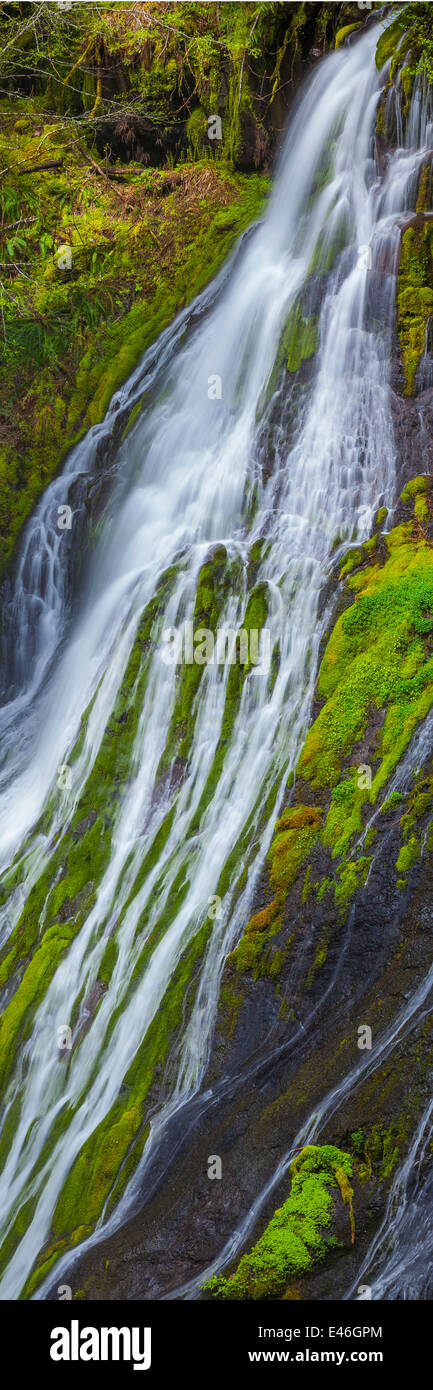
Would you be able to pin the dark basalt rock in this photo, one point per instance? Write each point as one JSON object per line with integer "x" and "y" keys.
{"x": 413, "y": 432}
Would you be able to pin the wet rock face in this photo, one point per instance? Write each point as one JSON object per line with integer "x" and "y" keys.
{"x": 413, "y": 433}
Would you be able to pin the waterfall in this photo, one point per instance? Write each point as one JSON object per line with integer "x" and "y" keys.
{"x": 227, "y": 480}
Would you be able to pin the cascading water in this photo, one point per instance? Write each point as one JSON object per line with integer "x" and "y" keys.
{"x": 216, "y": 504}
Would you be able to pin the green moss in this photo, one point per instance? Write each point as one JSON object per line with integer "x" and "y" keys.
{"x": 331, "y": 242}
{"x": 351, "y": 876}
{"x": 352, "y": 561}
{"x": 407, "y": 79}
{"x": 414, "y": 297}
{"x": 320, "y": 957}
{"x": 295, "y": 834}
{"x": 327, "y": 886}
{"x": 382, "y": 1147}
{"x": 229, "y": 1004}
{"x": 408, "y": 37}
{"x": 72, "y": 338}
{"x": 409, "y": 855}
{"x": 420, "y": 801}
{"x": 421, "y": 511}
{"x": 390, "y": 40}
{"x": 248, "y": 954}
{"x": 300, "y": 338}
{"x": 391, "y": 1153}
{"x": 35, "y": 981}
{"x": 197, "y": 132}
{"x": 394, "y": 799}
{"x": 108, "y": 961}
{"x": 135, "y": 412}
{"x": 343, "y": 33}
{"x": 307, "y": 886}
{"x": 376, "y": 656}
{"x": 358, "y": 1141}
{"x": 299, "y": 1232}
{"x": 214, "y": 583}
{"x": 371, "y": 545}
{"x": 415, "y": 487}
{"x": 298, "y": 342}
{"x": 424, "y": 188}
{"x": 344, "y": 817}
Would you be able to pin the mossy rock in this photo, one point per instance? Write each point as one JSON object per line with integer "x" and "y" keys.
{"x": 299, "y": 1232}
{"x": 343, "y": 33}
{"x": 376, "y": 656}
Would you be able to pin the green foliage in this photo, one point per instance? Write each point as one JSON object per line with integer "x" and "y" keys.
{"x": 72, "y": 337}
{"x": 296, "y": 833}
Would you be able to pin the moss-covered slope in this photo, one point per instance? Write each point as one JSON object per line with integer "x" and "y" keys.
{"x": 121, "y": 196}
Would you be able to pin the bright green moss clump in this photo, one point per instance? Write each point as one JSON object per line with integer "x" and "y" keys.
{"x": 420, "y": 801}
{"x": 416, "y": 490}
{"x": 343, "y": 33}
{"x": 394, "y": 799}
{"x": 409, "y": 855}
{"x": 376, "y": 657}
{"x": 33, "y": 985}
{"x": 295, "y": 833}
{"x": 296, "y": 1236}
{"x": 390, "y": 40}
{"x": 352, "y": 561}
{"x": 421, "y": 511}
{"x": 344, "y": 816}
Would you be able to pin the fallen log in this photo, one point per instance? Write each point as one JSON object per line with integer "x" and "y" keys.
{"x": 37, "y": 168}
